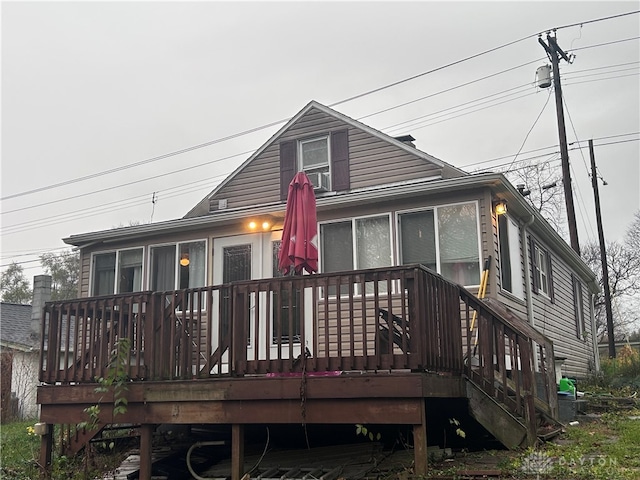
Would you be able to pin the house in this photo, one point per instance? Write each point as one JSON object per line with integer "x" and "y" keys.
{"x": 218, "y": 335}
{"x": 20, "y": 350}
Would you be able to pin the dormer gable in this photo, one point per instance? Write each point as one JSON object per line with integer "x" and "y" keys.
{"x": 338, "y": 153}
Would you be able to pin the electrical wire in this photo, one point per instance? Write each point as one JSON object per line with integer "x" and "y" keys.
{"x": 575, "y": 134}
{"x": 134, "y": 182}
{"x": 613, "y": 42}
{"x": 595, "y": 20}
{"x": 449, "y": 89}
{"x": 535, "y": 122}
{"x": 279, "y": 122}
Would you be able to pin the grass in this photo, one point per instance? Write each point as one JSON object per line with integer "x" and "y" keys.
{"x": 606, "y": 449}
{"x": 20, "y": 448}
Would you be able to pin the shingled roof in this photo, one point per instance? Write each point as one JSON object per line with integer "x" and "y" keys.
{"x": 15, "y": 327}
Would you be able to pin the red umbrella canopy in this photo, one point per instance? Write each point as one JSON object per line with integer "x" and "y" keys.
{"x": 299, "y": 247}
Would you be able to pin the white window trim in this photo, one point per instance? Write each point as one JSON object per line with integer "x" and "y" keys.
{"x": 437, "y": 233}
{"x": 117, "y": 264}
{"x": 541, "y": 267}
{"x": 147, "y": 278}
{"x": 317, "y": 167}
{"x": 520, "y": 293}
{"x": 393, "y": 260}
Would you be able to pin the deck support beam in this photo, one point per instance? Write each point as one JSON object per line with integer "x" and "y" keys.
{"x": 46, "y": 448}
{"x": 420, "y": 444}
{"x": 146, "y": 435}
{"x": 237, "y": 451}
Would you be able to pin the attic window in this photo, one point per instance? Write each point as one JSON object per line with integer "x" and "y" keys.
{"x": 314, "y": 160}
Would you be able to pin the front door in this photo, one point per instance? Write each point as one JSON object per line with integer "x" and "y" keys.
{"x": 250, "y": 257}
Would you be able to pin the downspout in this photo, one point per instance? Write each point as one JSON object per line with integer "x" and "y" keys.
{"x": 527, "y": 277}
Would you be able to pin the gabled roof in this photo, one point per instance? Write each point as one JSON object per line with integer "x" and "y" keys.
{"x": 15, "y": 327}
{"x": 348, "y": 121}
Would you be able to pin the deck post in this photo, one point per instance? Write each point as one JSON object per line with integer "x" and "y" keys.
{"x": 237, "y": 451}
{"x": 146, "y": 435}
{"x": 420, "y": 442}
{"x": 46, "y": 448}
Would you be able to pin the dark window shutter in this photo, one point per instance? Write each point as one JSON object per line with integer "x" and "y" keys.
{"x": 550, "y": 277}
{"x": 287, "y": 166}
{"x": 340, "y": 160}
{"x": 532, "y": 258}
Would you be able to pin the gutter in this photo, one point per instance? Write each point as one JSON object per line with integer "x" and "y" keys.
{"x": 425, "y": 186}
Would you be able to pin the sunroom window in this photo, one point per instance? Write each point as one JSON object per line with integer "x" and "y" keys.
{"x": 356, "y": 244}
{"x": 178, "y": 266}
{"x": 444, "y": 239}
{"x": 119, "y": 271}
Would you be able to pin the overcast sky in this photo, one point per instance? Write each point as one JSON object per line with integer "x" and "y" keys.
{"x": 88, "y": 87}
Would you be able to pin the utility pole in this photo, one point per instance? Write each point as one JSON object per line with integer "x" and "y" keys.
{"x": 603, "y": 254}
{"x": 553, "y": 50}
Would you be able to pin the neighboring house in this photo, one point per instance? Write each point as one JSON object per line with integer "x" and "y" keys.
{"x": 381, "y": 204}
{"x": 20, "y": 348}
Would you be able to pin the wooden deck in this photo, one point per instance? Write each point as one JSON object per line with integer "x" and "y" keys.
{"x": 352, "y": 347}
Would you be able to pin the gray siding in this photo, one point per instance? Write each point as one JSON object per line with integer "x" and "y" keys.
{"x": 557, "y": 320}
{"x": 372, "y": 161}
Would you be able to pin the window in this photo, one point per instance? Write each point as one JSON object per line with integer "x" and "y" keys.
{"x": 105, "y": 281}
{"x": 314, "y": 159}
{"x": 324, "y": 157}
{"x": 370, "y": 236}
{"x": 542, "y": 276}
{"x": 178, "y": 266}
{"x": 104, "y": 273}
{"x": 541, "y": 269}
{"x": 281, "y": 301}
{"x": 510, "y": 263}
{"x": 314, "y": 154}
{"x": 578, "y": 306}
{"x": 356, "y": 244}
{"x": 444, "y": 239}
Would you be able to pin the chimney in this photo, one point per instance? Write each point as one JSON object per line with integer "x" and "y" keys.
{"x": 41, "y": 295}
{"x": 408, "y": 139}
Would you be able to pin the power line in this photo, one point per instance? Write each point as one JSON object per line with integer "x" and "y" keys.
{"x": 278, "y": 122}
{"x": 551, "y": 146}
{"x": 599, "y": 19}
{"x": 614, "y": 42}
{"x": 535, "y": 122}
{"x": 448, "y": 89}
{"x": 124, "y": 184}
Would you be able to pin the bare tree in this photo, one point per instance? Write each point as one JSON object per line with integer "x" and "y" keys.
{"x": 542, "y": 187}
{"x": 623, "y": 261}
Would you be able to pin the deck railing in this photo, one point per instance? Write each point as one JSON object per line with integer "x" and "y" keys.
{"x": 378, "y": 319}
{"x": 394, "y": 318}
{"x": 508, "y": 359}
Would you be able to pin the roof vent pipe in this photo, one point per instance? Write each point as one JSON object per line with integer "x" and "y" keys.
{"x": 408, "y": 139}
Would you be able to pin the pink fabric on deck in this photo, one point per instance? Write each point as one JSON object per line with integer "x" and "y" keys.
{"x": 334, "y": 373}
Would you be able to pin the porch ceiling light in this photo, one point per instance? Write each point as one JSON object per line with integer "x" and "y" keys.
{"x": 500, "y": 207}
{"x": 263, "y": 224}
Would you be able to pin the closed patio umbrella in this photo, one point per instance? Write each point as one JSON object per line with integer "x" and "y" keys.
{"x": 299, "y": 247}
